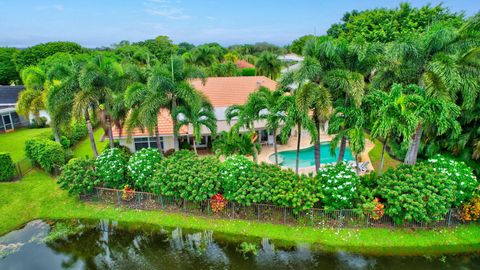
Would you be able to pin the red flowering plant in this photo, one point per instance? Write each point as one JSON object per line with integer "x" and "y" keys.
{"x": 127, "y": 193}
{"x": 375, "y": 209}
{"x": 218, "y": 203}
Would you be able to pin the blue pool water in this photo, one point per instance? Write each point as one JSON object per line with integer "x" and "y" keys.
{"x": 307, "y": 158}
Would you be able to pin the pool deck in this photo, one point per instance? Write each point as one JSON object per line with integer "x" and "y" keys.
{"x": 306, "y": 142}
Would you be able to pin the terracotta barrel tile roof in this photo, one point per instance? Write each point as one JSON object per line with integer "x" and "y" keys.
{"x": 221, "y": 91}
{"x": 243, "y": 64}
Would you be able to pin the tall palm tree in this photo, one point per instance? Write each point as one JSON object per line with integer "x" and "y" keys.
{"x": 443, "y": 61}
{"x": 391, "y": 115}
{"x": 32, "y": 99}
{"x": 265, "y": 105}
{"x": 145, "y": 102}
{"x": 315, "y": 98}
{"x": 204, "y": 56}
{"x": 296, "y": 116}
{"x": 268, "y": 65}
{"x": 171, "y": 82}
{"x": 348, "y": 123}
{"x": 196, "y": 113}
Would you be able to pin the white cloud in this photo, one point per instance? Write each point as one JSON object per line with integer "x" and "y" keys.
{"x": 56, "y": 7}
{"x": 165, "y": 8}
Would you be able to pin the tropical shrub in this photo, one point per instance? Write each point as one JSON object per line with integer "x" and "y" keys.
{"x": 470, "y": 211}
{"x": 466, "y": 182}
{"x": 245, "y": 182}
{"x": 217, "y": 203}
{"x": 46, "y": 153}
{"x": 141, "y": 167}
{"x": 248, "y": 71}
{"x": 187, "y": 176}
{"x": 7, "y": 168}
{"x": 65, "y": 142}
{"x": 78, "y": 176}
{"x": 111, "y": 168}
{"x": 78, "y": 131}
{"x": 39, "y": 122}
{"x": 338, "y": 184}
{"x": 416, "y": 193}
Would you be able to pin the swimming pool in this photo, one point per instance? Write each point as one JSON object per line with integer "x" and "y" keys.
{"x": 307, "y": 157}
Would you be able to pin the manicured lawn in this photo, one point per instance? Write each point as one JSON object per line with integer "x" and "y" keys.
{"x": 83, "y": 148}
{"x": 37, "y": 197}
{"x": 376, "y": 154}
{"x": 14, "y": 142}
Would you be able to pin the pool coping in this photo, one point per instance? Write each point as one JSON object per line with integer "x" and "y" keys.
{"x": 306, "y": 142}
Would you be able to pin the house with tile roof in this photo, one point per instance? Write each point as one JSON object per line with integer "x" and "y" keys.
{"x": 243, "y": 64}
{"x": 221, "y": 92}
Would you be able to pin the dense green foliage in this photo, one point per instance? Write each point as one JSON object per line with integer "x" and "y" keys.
{"x": 184, "y": 175}
{"x": 416, "y": 193}
{"x": 248, "y": 72}
{"x": 8, "y": 72}
{"x": 111, "y": 168}
{"x": 246, "y": 182}
{"x": 78, "y": 176}
{"x": 33, "y": 55}
{"x": 299, "y": 43}
{"x": 338, "y": 184}
{"x": 7, "y": 168}
{"x": 386, "y": 25}
{"x": 141, "y": 167}
{"x": 46, "y": 153}
{"x": 461, "y": 174}
{"x": 161, "y": 47}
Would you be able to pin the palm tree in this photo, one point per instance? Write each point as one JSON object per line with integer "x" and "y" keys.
{"x": 443, "y": 61}
{"x": 196, "y": 113}
{"x": 268, "y": 65}
{"x": 296, "y": 116}
{"x": 32, "y": 99}
{"x": 391, "y": 115}
{"x": 315, "y": 98}
{"x": 348, "y": 123}
{"x": 171, "y": 83}
{"x": 265, "y": 105}
{"x": 439, "y": 115}
{"x": 145, "y": 102}
{"x": 232, "y": 142}
{"x": 204, "y": 56}
{"x": 245, "y": 117}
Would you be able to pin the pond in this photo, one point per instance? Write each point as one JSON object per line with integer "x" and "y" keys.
{"x": 307, "y": 156}
{"x": 105, "y": 244}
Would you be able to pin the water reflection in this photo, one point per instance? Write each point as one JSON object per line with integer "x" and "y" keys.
{"x": 109, "y": 245}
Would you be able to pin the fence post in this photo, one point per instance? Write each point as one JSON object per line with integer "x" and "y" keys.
{"x": 284, "y": 215}
{"x": 184, "y": 205}
{"x": 19, "y": 170}
{"x": 449, "y": 217}
{"x": 233, "y": 210}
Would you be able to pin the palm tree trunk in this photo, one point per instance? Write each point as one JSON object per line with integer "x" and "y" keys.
{"x": 356, "y": 164}
{"x": 157, "y": 139}
{"x": 56, "y": 134}
{"x": 255, "y": 154}
{"x": 195, "y": 146}
{"x": 110, "y": 131}
{"x": 299, "y": 137}
{"x": 343, "y": 145}
{"x": 382, "y": 159}
{"x": 317, "y": 147}
{"x": 174, "y": 121}
{"x": 90, "y": 134}
{"x": 274, "y": 134}
{"x": 412, "y": 153}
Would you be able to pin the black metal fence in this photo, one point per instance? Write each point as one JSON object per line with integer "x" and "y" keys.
{"x": 314, "y": 217}
{"x": 22, "y": 167}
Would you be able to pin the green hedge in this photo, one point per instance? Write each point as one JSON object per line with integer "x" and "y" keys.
{"x": 111, "y": 168}
{"x": 46, "y": 153}
{"x": 7, "y": 168}
{"x": 78, "y": 176}
{"x": 248, "y": 72}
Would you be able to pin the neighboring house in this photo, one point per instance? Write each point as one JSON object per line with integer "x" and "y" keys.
{"x": 243, "y": 64}
{"x": 222, "y": 92}
{"x": 293, "y": 62}
{"x": 9, "y": 118}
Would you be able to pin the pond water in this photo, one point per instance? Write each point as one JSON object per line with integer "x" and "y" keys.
{"x": 108, "y": 245}
{"x": 307, "y": 156}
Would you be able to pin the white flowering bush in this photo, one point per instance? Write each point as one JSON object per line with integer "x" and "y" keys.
{"x": 141, "y": 167}
{"x": 111, "y": 168}
{"x": 466, "y": 182}
{"x": 237, "y": 170}
{"x": 338, "y": 184}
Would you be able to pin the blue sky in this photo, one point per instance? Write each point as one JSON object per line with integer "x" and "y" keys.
{"x": 104, "y": 22}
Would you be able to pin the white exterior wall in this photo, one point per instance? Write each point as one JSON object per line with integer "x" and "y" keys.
{"x": 42, "y": 113}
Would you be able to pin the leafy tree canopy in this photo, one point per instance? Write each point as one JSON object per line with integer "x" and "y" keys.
{"x": 33, "y": 55}
{"x": 298, "y": 44}
{"x": 386, "y": 25}
{"x": 8, "y": 72}
{"x": 161, "y": 47}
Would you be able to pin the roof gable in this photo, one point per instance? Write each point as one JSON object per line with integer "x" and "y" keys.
{"x": 9, "y": 94}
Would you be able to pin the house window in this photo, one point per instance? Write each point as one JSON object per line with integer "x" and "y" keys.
{"x": 147, "y": 142}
